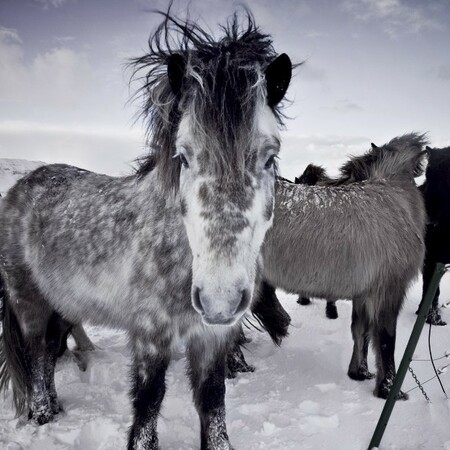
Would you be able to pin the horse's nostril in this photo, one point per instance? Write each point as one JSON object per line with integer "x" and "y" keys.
{"x": 196, "y": 298}
{"x": 245, "y": 301}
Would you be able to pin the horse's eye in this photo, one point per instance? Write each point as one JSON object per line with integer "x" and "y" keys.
{"x": 270, "y": 162}
{"x": 184, "y": 161}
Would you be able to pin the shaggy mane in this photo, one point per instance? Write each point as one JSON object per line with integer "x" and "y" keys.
{"x": 402, "y": 155}
{"x": 400, "y": 158}
{"x": 223, "y": 81}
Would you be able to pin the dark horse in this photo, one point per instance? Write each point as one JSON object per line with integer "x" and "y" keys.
{"x": 170, "y": 251}
{"x": 360, "y": 240}
{"x": 436, "y": 193}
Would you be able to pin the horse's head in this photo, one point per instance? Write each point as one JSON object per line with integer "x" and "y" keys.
{"x": 312, "y": 175}
{"x": 224, "y": 97}
{"x": 227, "y": 196}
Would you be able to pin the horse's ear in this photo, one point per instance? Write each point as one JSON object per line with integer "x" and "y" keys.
{"x": 422, "y": 162}
{"x": 278, "y": 76}
{"x": 175, "y": 71}
{"x": 373, "y": 146}
{"x": 428, "y": 148}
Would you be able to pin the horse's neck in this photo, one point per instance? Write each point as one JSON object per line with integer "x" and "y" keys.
{"x": 148, "y": 189}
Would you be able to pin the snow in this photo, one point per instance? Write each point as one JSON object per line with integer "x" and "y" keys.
{"x": 298, "y": 397}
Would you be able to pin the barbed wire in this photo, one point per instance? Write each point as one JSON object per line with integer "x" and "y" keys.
{"x": 445, "y": 355}
{"x": 441, "y": 370}
{"x": 419, "y": 385}
{"x": 432, "y": 363}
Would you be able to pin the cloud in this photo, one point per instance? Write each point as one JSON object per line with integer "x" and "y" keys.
{"x": 10, "y": 36}
{"x": 59, "y": 77}
{"x": 314, "y": 34}
{"x": 443, "y": 72}
{"x": 397, "y": 16}
{"x": 330, "y": 151}
{"x": 106, "y": 150}
{"x": 46, "y": 4}
{"x": 344, "y": 105}
{"x": 310, "y": 72}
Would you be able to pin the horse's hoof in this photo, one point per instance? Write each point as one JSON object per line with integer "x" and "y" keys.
{"x": 331, "y": 311}
{"x": 303, "y": 301}
{"x": 434, "y": 318}
{"x": 247, "y": 368}
{"x": 383, "y": 392}
{"x": 40, "y": 417}
{"x": 361, "y": 375}
{"x": 81, "y": 359}
{"x": 56, "y": 407}
{"x": 225, "y": 445}
{"x": 232, "y": 372}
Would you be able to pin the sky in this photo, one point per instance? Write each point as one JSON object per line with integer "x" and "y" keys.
{"x": 373, "y": 69}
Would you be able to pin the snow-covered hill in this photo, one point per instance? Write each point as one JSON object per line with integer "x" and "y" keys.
{"x": 13, "y": 169}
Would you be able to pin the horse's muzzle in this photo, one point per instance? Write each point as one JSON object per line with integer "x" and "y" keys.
{"x": 220, "y": 310}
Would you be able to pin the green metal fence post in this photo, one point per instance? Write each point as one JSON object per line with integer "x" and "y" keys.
{"x": 407, "y": 356}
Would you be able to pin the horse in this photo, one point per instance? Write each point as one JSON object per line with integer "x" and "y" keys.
{"x": 362, "y": 241}
{"x": 311, "y": 176}
{"x": 169, "y": 251}
{"x": 436, "y": 193}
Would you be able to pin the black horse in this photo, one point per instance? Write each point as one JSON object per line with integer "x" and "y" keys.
{"x": 436, "y": 192}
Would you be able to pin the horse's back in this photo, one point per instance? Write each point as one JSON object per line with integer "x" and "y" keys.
{"x": 369, "y": 234}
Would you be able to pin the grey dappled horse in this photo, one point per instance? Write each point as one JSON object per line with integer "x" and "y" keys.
{"x": 170, "y": 251}
{"x": 361, "y": 241}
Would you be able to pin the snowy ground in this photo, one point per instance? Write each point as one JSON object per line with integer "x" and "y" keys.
{"x": 298, "y": 398}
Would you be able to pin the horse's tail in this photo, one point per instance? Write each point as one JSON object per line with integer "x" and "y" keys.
{"x": 404, "y": 157}
{"x": 270, "y": 314}
{"x": 13, "y": 369}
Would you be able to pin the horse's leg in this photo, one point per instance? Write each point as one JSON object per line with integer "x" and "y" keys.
{"x": 434, "y": 315}
{"x": 358, "y": 369}
{"x": 331, "y": 310}
{"x": 384, "y": 336}
{"x": 84, "y": 344}
{"x": 432, "y": 244}
{"x": 82, "y": 341}
{"x": 206, "y": 358}
{"x": 149, "y": 386}
{"x": 33, "y": 314}
{"x": 57, "y": 330}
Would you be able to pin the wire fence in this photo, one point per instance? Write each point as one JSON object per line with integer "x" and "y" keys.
{"x": 438, "y": 371}
{"x": 408, "y": 357}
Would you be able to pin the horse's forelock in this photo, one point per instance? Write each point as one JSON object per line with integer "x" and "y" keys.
{"x": 223, "y": 85}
